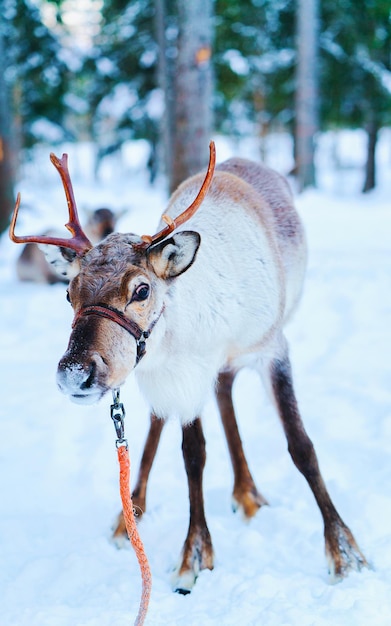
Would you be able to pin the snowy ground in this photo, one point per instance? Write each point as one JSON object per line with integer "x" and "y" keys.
{"x": 59, "y": 483}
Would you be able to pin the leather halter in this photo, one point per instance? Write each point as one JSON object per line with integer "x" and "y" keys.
{"x": 104, "y": 310}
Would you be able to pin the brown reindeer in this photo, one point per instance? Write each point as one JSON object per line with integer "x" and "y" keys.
{"x": 32, "y": 266}
{"x": 223, "y": 278}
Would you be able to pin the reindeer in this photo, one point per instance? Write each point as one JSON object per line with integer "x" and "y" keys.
{"x": 223, "y": 278}
{"x": 32, "y": 266}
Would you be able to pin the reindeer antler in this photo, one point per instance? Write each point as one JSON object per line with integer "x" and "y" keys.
{"x": 172, "y": 224}
{"x": 79, "y": 241}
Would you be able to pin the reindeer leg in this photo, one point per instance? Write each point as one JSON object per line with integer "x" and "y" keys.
{"x": 245, "y": 498}
{"x": 140, "y": 489}
{"x": 197, "y": 552}
{"x": 342, "y": 552}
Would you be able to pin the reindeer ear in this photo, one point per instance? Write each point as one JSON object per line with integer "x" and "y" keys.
{"x": 174, "y": 255}
{"x": 64, "y": 262}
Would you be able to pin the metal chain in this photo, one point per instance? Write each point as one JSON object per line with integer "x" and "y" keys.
{"x": 117, "y": 413}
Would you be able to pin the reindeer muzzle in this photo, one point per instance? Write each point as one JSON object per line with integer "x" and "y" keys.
{"x": 104, "y": 310}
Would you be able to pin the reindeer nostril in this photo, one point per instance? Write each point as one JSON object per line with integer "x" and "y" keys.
{"x": 84, "y": 380}
{"x": 87, "y": 384}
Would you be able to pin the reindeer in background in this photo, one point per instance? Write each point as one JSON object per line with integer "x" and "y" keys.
{"x": 32, "y": 266}
{"x": 187, "y": 308}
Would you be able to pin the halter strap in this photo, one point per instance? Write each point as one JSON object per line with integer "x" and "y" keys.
{"x": 104, "y": 310}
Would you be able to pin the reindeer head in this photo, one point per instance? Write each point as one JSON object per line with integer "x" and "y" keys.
{"x": 117, "y": 292}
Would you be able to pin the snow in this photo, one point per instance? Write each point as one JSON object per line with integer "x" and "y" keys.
{"x": 59, "y": 481}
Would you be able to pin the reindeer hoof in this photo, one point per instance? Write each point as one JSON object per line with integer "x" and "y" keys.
{"x": 197, "y": 554}
{"x": 183, "y": 592}
{"x": 247, "y": 502}
{"x": 342, "y": 553}
{"x": 184, "y": 583}
{"x": 120, "y": 534}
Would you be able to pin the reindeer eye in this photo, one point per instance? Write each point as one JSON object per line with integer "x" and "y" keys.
{"x": 140, "y": 293}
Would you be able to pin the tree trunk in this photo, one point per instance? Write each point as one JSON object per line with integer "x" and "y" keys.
{"x": 186, "y": 78}
{"x": 165, "y": 80}
{"x": 6, "y": 153}
{"x": 370, "y": 167}
{"x": 306, "y": 91}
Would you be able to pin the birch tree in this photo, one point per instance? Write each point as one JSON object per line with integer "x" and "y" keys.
{"x": 6, "y": 169}
{"x": 306, "y": 91}
{"x": 187, "y": 82}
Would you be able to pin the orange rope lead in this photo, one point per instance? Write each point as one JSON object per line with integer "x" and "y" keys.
{"x": 131, "y": 527}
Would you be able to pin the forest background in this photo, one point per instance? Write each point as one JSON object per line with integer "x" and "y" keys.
{"x": 304, "y": 85}
{"x": 175, "y": 73}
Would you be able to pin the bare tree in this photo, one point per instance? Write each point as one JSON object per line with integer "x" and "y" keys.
{"x": 166, "y": 37}
{"x": 6, "y": 167}
{"x": 186, "y": 77}
{"x": 306, "y": 91}
{"x": 372, "y": 129}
